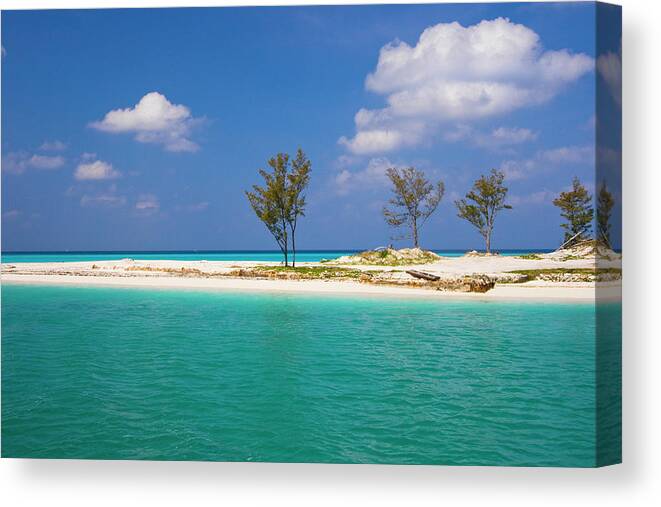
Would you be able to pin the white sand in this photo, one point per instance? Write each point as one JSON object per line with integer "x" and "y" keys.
{"x": 144, "y": 273}
{"x": 525, "y": 291}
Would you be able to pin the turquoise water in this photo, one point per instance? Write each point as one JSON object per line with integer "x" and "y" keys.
{"x": 192, "y": 375}
{"x": 238, "y": 255}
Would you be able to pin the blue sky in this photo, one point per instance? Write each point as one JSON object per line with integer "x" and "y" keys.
{"x": 140, "y": 129}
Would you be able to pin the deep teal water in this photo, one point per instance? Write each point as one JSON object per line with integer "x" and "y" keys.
{"x": 154, "y": 374}
{"x": 235, "y": 255}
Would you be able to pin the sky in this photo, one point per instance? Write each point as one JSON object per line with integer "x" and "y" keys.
{"x": 141, "y": 129}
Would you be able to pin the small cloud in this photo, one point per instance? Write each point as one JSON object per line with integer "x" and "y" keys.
{"x": 374, "y": 174}
{"x": 609, "y": 66}
{"x": 569, "y": 154}
{"x": 53, "y": 146}
{"x": 591, "y": 123}
{"x": 498, "y": 138}
{"x": 88, "y": 156}
{"x": 4, "y": 52}
{"x": 535, "y": 198}
{"x": 506, "y": 136}
{"x": 517, "y": 169}
{"x": 107, "y": 199}
{"x": 12, "y": 214}
{"x": 565, "y": 155}
{"x": 147, "y": 204}
{"x": 97, "y": 170}
{"x": 154, "y": 119}
{"x": 45, "y": 162}
{"x": 18, "y": 163}
{"x": 200, "y": 206}
{"x": 103, "y": 200}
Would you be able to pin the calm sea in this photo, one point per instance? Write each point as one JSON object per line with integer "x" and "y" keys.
{"x": 193, "y": 375}
{"x": 230, "y": 255}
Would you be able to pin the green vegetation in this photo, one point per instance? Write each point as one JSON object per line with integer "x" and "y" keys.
{"x": 588, "y": 273}
{"x": 483, "y": 202}
{"x": 605, "y": 203}
{"x": 414, "y": 200}
{"x": 530, "y": 256}
{"x": 312, "y": 272}
{"x": 280, "y": 202}
{"x": 576, "y": 208}
{"x": 390, "y": 257}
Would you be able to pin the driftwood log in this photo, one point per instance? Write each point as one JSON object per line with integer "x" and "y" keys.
{"x": 423, "y": 275}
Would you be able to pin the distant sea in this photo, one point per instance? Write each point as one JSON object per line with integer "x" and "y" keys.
{"x": 226, "y": 255}
{"x": 116, "y": 373}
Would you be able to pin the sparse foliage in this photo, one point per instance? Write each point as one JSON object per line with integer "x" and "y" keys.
{"x": 576, "y": 208}
{"x": 415, "y": 199}
{"x": 298, "y": 180}
{"x": 280, "y": 201}
{"x": 605, "y": 203}
{"x": 483, "y": 202}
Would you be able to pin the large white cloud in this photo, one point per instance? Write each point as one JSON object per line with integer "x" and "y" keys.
{"x": 456, "y": 73}
{"x": 153, "y": 120}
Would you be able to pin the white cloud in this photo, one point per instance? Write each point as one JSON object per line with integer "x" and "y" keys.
{"x": 97, "y": 170}
{"x": 45, "y": 162}
{"x": 18, "y": 163}
{"x": 106, "y": 200}
{"x": 518, "y": 169}
{"x": 541, "y": 197}
{"x": 457, "y": 73}
{"x": 374, "y": 174}
{"x": 498, "y": 138}
{"x": 147, "y": 204}
{"x": 153, "y": 120}
{"x": 198, "y": 206}
{"x": 53, "y": 146}
{"x": 569, "y": 155}
{"x": 562, "y": 156}
{"x": 11, "y": 214}
{"x": 609, "y": 66}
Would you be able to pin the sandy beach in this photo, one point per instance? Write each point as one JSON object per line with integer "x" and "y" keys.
{"x": 221, "y": 275}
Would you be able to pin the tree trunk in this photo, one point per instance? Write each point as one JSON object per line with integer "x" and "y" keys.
{"x": 415, "y": 234}
{"x": 488, "y": 238}
{"x": 293, "y": 247}
{"x": 286, "y": 249}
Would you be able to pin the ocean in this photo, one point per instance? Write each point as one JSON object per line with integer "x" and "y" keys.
{"x": 127, "y": 373}
{"x": 228, "y": 255}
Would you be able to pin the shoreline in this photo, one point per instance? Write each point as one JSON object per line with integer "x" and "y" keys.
{"x": 583, "y": 292}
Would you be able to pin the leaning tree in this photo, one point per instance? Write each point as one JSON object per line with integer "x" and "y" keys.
{"x": 576, "y": 208}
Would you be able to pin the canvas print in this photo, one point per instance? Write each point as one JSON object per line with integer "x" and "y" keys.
{"x": 383, "y": 234}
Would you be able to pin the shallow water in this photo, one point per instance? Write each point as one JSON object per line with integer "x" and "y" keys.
{"x": 193, "y": 375}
